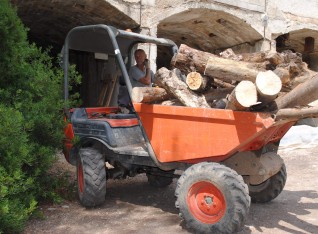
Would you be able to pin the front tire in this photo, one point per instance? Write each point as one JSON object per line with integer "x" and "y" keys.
{"x": 212, "y": 198}
{"x": 91, "y": 177}
{"x": 269, "y": 189}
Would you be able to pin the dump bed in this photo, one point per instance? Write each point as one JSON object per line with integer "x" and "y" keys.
{"x": 179, "y": 133}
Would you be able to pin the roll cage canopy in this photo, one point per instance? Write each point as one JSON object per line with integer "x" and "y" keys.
{"x": 107, "y": 40}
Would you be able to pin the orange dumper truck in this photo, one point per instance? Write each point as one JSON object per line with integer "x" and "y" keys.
{"x": 227, "y": 158}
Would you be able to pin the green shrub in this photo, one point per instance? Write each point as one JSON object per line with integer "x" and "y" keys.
{"x": 31, "y": 121}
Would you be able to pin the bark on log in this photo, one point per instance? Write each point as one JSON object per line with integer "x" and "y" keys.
{"x": 149, "y": 94}
{"x": 222, "y": 84}
{"x": 296, "y": 114}
{"x": 173, "y": 102}
{"x": 229, "y": 54}
{"x": 170, "y": 81}
{"x": 302, "y": 95}
{"x": 283, "y": 74}
{"x": 268, "y": 86}
{"x": 231, "y": 70}
{"x": 275, "y": 58}
{"x": 196, "y": 82}
{"x": 305, "y": 75}
{"x": 242, "y": 97}
{"x": 188, "y": 59}
{"x": 256, "y": 57}
{"x": 286, "y": 56}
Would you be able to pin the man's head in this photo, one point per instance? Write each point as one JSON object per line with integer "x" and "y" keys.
{"x": 140, "y": 56}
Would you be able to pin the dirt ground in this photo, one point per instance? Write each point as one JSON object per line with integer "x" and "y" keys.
{"x": 133, "y": 206}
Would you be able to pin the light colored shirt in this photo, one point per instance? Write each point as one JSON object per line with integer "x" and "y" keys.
{"x": 135, "y": 74}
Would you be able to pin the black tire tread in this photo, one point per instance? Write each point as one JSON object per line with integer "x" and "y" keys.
{"x": 275, "y": 186}
{"x": 94, "y": 171}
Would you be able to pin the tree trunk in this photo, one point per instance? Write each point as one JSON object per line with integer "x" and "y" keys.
{"x": 171, "y": 81}
{"x": 256, "y": 57}
{"x": 296, "y": 114}
{"x": 283, "y": 74}
{"x": 222, "y": 84}
{"x": 268, "y": 86}
{"x": 196, "y": 82}
{"x": 149, "y": 94}
{"x": 242, "y": 97}
{"x": 188, "y": 59}
{"x": 275, "y": 58}
{"x": 221, "y": 68}
{"x": 173, "y": 102}
{"x": 302, "y": 95}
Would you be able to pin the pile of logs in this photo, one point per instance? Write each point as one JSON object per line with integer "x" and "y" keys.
{"x": 280, "y": 83}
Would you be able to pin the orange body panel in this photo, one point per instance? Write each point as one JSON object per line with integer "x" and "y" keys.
{"x": 189, "y": 134}
{"x": 69, "y": 135}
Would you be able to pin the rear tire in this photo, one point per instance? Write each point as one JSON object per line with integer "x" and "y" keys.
{"x": 212, "y": 198}
{"x": 269, "y": 189}
{"x": 91, "y": 177}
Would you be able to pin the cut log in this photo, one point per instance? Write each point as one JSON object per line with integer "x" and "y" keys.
{"x": 149, "y": 94}
{"x": 222, "y": 84}
{"x": 229, "y": 54}
{"x": 302, "y": 95}
{"x": 231, "y": 70}
{"x": 283, "y": 74}
{"x": 188, "y": 59}
{"x": 242, "y": 97}
{"x": 268, "y": 85}
{"x": 216, "y": 94}
{"x": 170, "y": 81}
{"x": 296, "y": 114}
{"x": 196, "y": 82}
{"x": 286, "y": 56}
{"x": 173, "y": 102}
{"x": 256, "y": 57}
{"x": 275, "y": 58}
{"x": 305, "y": 75}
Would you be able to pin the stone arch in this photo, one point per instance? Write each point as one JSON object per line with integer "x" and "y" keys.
{"x": 210, "y": 30}
{"x": 304, "y": 41}
{"x": 49, "y": 21}
{"x": 218, "y": 29}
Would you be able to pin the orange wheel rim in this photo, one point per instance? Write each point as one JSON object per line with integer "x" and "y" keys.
{"x": 206, "y": 202}
{"x": 80, "y": 177}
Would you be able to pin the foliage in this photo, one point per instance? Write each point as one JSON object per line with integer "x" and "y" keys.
{"x": 31, "y": 121}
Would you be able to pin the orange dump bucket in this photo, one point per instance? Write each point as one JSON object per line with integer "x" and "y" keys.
{"x": 188, "y": 134}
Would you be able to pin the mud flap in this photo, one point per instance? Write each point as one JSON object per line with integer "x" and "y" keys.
{"x": 258, "y": 168}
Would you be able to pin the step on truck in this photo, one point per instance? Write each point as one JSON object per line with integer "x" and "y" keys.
{"x": 223, "y": 159}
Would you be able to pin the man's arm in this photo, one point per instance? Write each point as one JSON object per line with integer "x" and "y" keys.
{"x": 146, "y": 80}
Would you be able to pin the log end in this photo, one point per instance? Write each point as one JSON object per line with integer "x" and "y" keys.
{"x": 246, "y": 93}
{"x": 268, "y": 83}
{"x": 194, "y": 81}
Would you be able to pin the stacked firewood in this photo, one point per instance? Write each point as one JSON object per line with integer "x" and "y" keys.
{"x": 267, "y": 82}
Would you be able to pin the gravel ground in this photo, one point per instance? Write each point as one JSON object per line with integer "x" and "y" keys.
{"x": 132, "y": 206}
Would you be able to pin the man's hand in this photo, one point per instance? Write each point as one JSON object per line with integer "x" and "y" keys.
{"x": 147, "y": 64}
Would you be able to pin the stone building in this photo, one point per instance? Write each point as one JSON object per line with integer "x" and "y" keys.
{"x": 209, "y": 25}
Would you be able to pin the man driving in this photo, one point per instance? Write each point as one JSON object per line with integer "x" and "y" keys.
{"x": 140, "y": 74}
